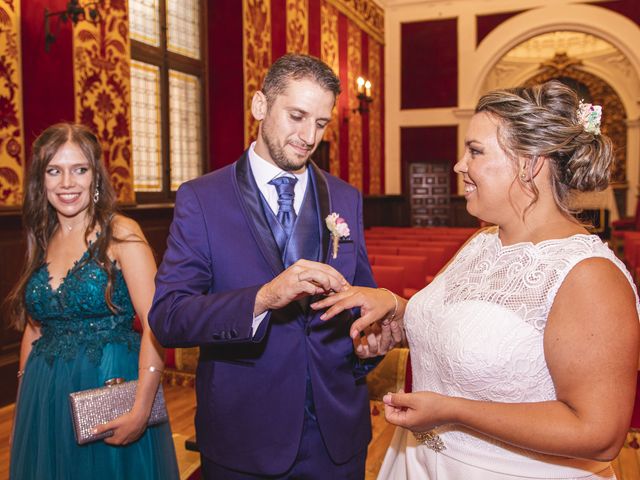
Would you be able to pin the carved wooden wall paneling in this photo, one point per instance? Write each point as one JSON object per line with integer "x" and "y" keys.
{"x": 11, "y": 113}
{"x": 429, "y": 194}
{"x": 102, "y": 63}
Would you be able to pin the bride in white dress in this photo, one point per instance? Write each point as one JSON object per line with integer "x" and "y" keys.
{"x": 525, "y": 348}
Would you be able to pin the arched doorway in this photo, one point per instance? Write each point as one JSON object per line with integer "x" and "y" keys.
{"x": 578, "y": 59}
{"x": 597, "y": 91}
{"x": 619, "y": 70}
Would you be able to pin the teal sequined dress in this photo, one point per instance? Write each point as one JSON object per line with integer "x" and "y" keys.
{"x": 82, "y": 344}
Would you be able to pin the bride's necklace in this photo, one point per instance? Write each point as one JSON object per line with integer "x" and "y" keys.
{"x": 71, "y": 226}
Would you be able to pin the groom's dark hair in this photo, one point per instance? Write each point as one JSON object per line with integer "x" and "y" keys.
{"x": 297, "y": 67}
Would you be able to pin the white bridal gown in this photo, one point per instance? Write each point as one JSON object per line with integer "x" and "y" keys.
{"x": 477, "y": 332}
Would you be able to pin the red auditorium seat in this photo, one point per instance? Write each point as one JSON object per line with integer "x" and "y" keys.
{"x": 436, "y": 257}
{"x": 415, "y": 270}
{"x": 623, "y": 225}
{"x": 390, "y": 277}
{"x": 451, "y": 246}
{"x": 382, "y": 250}
{"x": 396, "y": 242}
{"x": 631, "y": 249}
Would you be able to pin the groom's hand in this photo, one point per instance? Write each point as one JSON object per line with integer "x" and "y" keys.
{"x": 301, "y": 279}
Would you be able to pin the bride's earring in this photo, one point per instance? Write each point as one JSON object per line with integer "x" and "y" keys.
{"x": 96, "y": 196}
{"x": 523, "y": 175}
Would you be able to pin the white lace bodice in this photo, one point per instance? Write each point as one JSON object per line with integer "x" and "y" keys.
{"x": 477, "y": 330}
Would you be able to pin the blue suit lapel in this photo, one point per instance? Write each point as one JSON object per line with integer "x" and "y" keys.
{"x": 323, "y": 200}
{"x": 305, "y": 238}
{"x": 249, "y": 199}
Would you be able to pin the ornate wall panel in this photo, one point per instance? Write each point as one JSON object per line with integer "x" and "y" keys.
{"x": 422, "y": 84}
{"x": 337, "y": 27}
{"x": 329, "y": 54}
{"x": 11, "y": 115}
{"x": 366, "y": 14}
{"x": 354, "y": 56}
{"x": 628, "y": 8}
{"x": 485, "y": 24}
{"x": 226, "y": 92}
{"x": 256, "y": 16}
{"x": 375, "y": 119}
{"x": 103, "y": 89}
{"x": 298, "y": 26}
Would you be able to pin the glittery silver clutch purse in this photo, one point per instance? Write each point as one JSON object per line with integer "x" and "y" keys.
{"x": 96, "y": 406}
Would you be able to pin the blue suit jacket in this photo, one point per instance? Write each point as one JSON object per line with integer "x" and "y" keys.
{"x": 251, "y": 389}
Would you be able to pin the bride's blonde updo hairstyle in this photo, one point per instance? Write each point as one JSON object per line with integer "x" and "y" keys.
{"x": 544, "y": 121}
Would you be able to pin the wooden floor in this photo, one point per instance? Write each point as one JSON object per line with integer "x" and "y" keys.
{"x": 181, "y": 406}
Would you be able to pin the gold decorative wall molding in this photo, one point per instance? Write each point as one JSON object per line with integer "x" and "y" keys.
{"x": 102, "y": 86}
{"x": 256, "y": 51}
{"x": 366, "y": 14}
{"x": 375, "y": 121}
{"x": 298, "y": 26}
{"x": 11, "y": 113}
{"x": 354, "y": 60}
{"x": 329, "y": 53}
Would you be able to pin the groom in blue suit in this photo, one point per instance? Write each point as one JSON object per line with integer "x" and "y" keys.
{"x": 281, "y": 393}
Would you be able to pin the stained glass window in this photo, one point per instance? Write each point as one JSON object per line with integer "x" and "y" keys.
{"x": 145, "y": 126}
{"x": 167, "y": 90}
{"x": 184, "y": 109}
{"x": 143, "y": 21}
{"x": 183, "y": 18}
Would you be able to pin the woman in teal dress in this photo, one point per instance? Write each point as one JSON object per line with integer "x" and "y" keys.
{"x": 88, "y": 272}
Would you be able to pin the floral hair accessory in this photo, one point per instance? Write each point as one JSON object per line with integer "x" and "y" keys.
{"x": 589, "y": 116}
{"x": 338, "y": 228}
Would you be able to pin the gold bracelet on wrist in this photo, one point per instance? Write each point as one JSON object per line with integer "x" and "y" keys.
{"x": 152, "y": 369}
{"x": 395, "y": 309}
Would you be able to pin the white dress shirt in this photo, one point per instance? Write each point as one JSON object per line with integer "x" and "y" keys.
{"x": 263, "y": 172}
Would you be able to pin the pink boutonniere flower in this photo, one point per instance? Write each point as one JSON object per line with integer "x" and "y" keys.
{"x": 338, "y": 228}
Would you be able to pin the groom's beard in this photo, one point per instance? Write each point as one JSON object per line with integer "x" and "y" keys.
{"x": 277, "y": 152}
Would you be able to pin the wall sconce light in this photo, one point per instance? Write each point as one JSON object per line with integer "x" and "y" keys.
{"x": 74, "y": 12}
{"x": 364, "y": 96}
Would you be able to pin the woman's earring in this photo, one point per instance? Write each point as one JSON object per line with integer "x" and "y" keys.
{"x": 523, "y": 175}
{"x": 96, "y": 196}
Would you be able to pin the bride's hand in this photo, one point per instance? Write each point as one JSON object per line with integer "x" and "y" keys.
{"x": 377, "y": 340}
{"x": 375, "y": 305}
{"x": 418, "y": 411}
